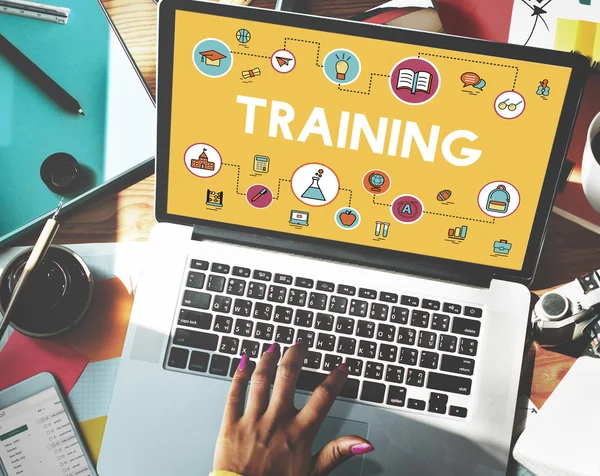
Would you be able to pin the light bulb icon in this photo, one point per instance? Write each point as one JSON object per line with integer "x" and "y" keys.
{"x": 341, "y": 68}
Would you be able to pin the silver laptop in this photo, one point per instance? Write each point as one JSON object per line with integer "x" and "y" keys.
{"x": 393, "y": 222}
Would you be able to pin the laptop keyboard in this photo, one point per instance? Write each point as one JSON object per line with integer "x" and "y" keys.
{"x": 403, "y": 351}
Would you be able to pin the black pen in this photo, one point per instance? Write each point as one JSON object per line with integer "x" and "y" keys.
{"x": 38, "y": 77}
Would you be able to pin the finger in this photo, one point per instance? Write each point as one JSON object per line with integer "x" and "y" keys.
{"x": 260, "y": 383}
{"x": 321, "y": 400}
{"x": 234, "y": 406}
{"x": 287, "y": 376}
{"x": 336, "y": 452}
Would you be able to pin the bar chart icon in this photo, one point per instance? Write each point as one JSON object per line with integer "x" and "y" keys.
{"x": 458, "y": 233}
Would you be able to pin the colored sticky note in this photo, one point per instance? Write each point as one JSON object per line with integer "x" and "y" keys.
{"x": 101, "y": 333}
{"x": 23, "y": 357}
{"x": 92, "y": 432}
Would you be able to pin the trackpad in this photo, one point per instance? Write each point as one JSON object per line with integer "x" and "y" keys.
{"x": 333, "y": 428}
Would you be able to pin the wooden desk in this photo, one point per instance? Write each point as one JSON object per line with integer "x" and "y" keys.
{"x": 569, "y": 251}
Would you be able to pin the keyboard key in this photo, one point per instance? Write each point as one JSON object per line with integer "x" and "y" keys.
{"x": 243, "y": 328}
{"x": 235, "y": 364}
{"x": 419, "y": 319}
{"x": 440, "y": 322}
{"x": 283, "y": 279}
{"x": 379, "y": 311}
{"x": 264, "y": 331}
{"x": 388, "y": 297}
{"x": 355, "y": 366}
{"x": 346, "y": 290}
{"x": 250, "y": 347}
{"x": 344, "y": 325}
{"x": 338, "y": 304}
{"x": 199, "y": 361}
{"x": 386, "y": 332}
{"x": 472, "y": 311}
{"x": 304, "y": 318}
{"x": 326, "y": 342}
{"x": 415, "y": 404}
{"x": 324, "y": 322}
{"x": 222, "y": 304}
{"x": 365, "y": 329}
{"x": 312, "y": 360}
{"x": 325, "y": 286}
{"x": 409, "y": 301}
{"x": 452, "y": 308}
{"x": 263, "y": 311}
{"x": 457, "y": 365}
{"x": 430, "y": 304}
{"x": 394, "y": 374}
{"x": 374, "y": 370}
{"x": 195, "y": 339}
{"x": 215, "y": 283}
{"x": 408, "y": 356}
{"x": 406, "y": 335}
{"x": 309, "y": 380}
{"x": 265, "y": 347}
{"x": 399, "y": 315}
{"x": 467, "y": 327}
{"x": 388, "y": 352}
{"x": 457, "y": 411}
{"x": 178, "y": 358}
{"x": 307, "y": 337}
{"x": 276, "y": 294}
{"x": 467, "y": 347}
{"x": 346, "y": 345}
{"x": 429, "y": 360}
{"x": 367, "y": 349}
{"x": 219, "y": 365}
{"x": 367, "y": 293}
{"x": 236, "y": 286}
{"x": 297, "y": 297}
{"x": 195, "y": 280}
{"x": 229, "y": 345}
{"x": 257, "y": 290}
{"x": 220, "y": 268}
{"x": 359, "y": 308}
{"x": 262, "y": 275}
{"x": 415, "y": 377}
{"x": 223, "y": 324}
{"x": 332, "y": 361}
{"x": 427, "y": 339}
{"x": 447, "y": 343}
{"x": 199, "y": 264}
{"x": 196, "y": 299}
{"x": 304, "y": 283}
{"x": 284, "y": 335}
{"x": 242, "y": 307}
{"x": 241, "y": 272}
{"x": 283, "y": 314}
{"x": 318, "y": 301}
{"x": 449, "y": 383}
{"x": 373, "y": 392}
{"x": 199, "y": 320}
{"x": 396, "y": 396}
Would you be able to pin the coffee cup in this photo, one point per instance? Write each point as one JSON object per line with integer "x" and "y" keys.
{"x": 590, "y": 168}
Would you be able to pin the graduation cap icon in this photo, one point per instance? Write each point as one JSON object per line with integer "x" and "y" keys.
{"x": 212, "y": 57}
{"x": 283, "y": 61}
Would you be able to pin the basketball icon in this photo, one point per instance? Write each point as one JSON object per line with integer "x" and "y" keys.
{"x": 243, "y": 36}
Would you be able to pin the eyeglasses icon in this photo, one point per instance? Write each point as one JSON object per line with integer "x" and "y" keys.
{"x": 511, "y": 107}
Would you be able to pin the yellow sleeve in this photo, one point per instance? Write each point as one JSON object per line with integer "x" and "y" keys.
{"x": 223, "y": 473}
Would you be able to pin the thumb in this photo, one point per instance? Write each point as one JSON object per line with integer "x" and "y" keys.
{"x": 337, "y": 451}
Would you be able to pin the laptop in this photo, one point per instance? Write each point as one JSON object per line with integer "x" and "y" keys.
{"x": 414, "y": 154}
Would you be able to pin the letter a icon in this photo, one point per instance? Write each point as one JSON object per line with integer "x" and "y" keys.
{"x": 406, "y": 209}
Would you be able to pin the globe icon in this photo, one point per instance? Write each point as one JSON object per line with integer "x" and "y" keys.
{"x": 376, "y": 181}
{"x": 243, "y": 36}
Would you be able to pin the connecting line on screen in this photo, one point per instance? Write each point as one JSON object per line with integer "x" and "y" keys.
{"x": 462, "y": 218}
{"x": 379, "y": 203}
{"x": 285, "y": 40}
{"x": 516, "y": 68}
{"x": 249, "y": 54}
{"x": 370, "y": 83}
{"x": 350, "y": 198}
{"x": 279, "y": 187}
{"x": 237, "y": 182}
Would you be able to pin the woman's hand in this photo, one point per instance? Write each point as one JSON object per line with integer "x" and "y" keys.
{"x": 271, "y": 437}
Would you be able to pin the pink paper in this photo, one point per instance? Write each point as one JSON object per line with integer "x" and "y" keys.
{"x": 23, "y": 357}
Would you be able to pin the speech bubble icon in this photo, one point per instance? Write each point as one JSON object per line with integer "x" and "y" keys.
{"x": 469, "y": 79}
{"x": 479, "y": 85}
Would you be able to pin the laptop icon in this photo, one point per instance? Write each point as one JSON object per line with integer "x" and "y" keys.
{"x": 299, "y": 218}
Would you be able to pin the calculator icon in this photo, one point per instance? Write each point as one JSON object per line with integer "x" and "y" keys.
{"x": 261, "y": 164}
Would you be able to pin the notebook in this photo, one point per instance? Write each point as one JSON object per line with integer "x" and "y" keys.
{"x": 116, "y": 136}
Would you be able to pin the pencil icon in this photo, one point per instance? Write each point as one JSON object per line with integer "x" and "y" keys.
{"x": 258, "y": 195}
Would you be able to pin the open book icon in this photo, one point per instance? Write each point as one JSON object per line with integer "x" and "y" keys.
{"x": 414, "y": 80}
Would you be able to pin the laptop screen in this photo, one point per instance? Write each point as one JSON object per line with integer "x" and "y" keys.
{"x": 388, "y": 145}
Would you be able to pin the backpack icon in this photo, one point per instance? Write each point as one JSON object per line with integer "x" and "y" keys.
{"x": 498, "y": 200}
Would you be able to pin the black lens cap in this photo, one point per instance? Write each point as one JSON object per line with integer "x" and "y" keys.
{"x": 60, "y": 172}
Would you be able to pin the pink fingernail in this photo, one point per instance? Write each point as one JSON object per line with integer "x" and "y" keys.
{"x": 362, "y": 448}
{"x": 273, "y": 347}
{"x": 343, "y": 367}
{"x": 299, "y": 341}
{"x": 243, "y": 363}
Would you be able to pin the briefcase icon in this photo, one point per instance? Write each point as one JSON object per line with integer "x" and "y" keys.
{"x": 502, "y": 247}
{"x": 498, "y": 200}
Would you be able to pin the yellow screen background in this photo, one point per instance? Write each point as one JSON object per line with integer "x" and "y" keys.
{"x": 204, "y": 110}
